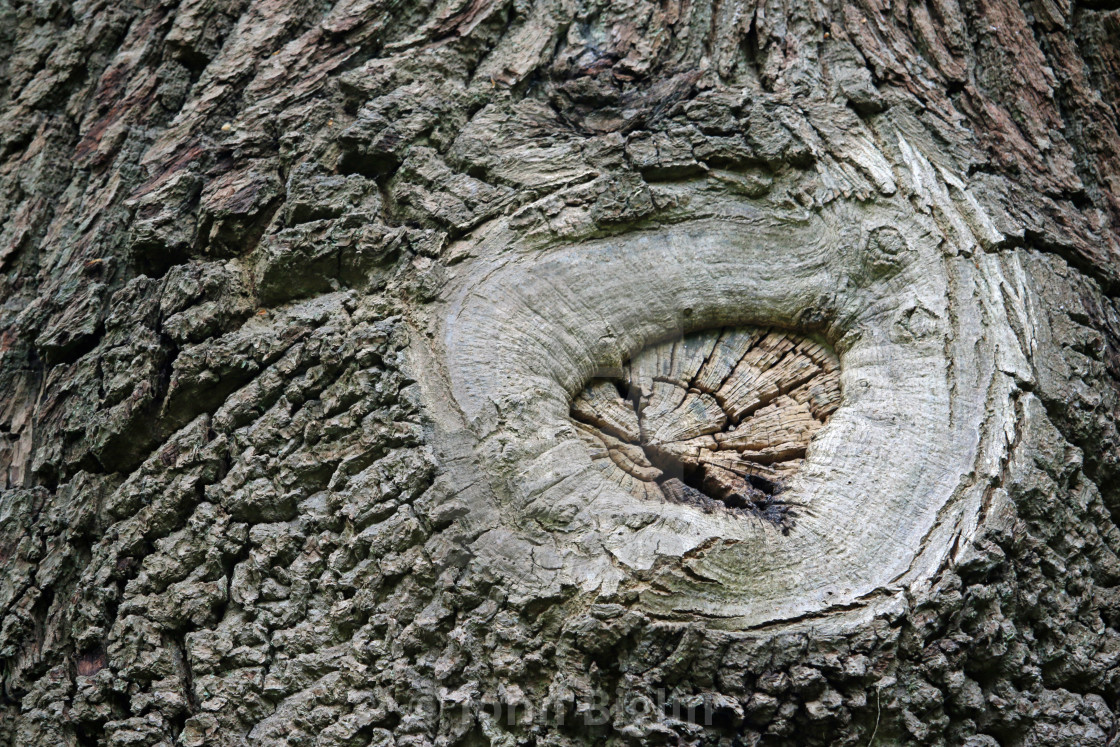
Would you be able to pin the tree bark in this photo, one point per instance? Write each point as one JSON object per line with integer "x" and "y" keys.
{"x": 559, "y": 373}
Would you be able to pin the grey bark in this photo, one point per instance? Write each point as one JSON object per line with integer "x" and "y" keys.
{"x": 297, "y": 299}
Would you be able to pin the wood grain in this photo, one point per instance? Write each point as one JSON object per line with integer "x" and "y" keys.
{"x": 738, "y": 445}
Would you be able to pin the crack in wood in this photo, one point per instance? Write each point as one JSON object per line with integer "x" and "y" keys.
{"x": 719, "y": 420}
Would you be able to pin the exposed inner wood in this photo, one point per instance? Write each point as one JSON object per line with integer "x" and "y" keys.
{"x": 719, "y": 419}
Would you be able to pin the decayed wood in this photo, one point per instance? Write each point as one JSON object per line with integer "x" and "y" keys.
{"x": 756, "y": 434}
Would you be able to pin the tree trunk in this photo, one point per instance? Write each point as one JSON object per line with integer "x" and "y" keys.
{"x": 559, "y": 373}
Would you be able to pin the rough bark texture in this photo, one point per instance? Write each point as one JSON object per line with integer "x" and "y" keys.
{"x": 297, "y": 298}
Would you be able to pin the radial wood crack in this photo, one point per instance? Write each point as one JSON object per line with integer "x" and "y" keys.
{"x": 719, "y": 419}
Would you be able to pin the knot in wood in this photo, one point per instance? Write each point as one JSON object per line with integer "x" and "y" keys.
{"x": 719, "y": 420}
